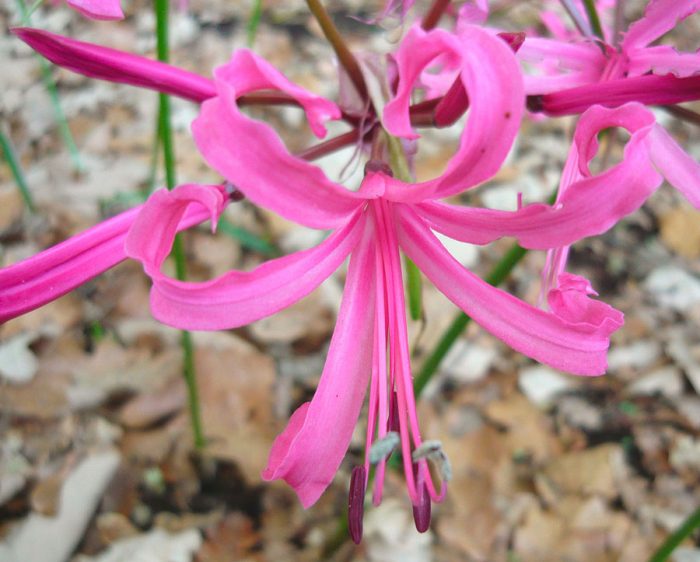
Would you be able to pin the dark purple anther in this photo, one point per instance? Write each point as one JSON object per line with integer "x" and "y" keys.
{"x": 234, "y": 194}
{"x": 356, "y": 503}
{"x": 421, "y": 512}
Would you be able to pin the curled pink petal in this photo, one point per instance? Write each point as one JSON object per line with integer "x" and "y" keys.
{"x": 116, "y": 66}
{"x": 660, "y": 17}
{"x": 309, "y": 451}
{"x": 576, "y": 345}
{"x": 247, "y": 72}
{"x": 664, "y": 60}
{"x": 570, "y": 301}
{"x": 237, "y": 297}
{"x": 54, "y": 272}
{"x": 491, "y": 78}
{"x": 98, "y": 9}
{"x": 251, "y": 155}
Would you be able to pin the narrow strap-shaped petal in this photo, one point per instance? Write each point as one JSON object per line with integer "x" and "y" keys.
{"x": 648, "y": 89}
{"x": 251, "y": 155}
{"x": 98, "y": 9}
{"x": 577, "y": 345}
{"x": 679, "y": 169}
{"x": 309, "y": 451}
{"x": 492, "y": 80}
{"x": 237, "y": 297}
{"x": 660, "y": 17}
{"x": 663, "y": 60}
{"x": 54, "y": 272}
{"x": 112, "y": 65}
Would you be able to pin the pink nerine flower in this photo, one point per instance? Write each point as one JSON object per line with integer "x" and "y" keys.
{"x": 588, "y": 60}
{"x": 369, "y": 347}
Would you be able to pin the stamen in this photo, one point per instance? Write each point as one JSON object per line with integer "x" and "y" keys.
{"x": 382, "y": 448}
{"x": 433, "y": 451}
{"x": 393, "y": 424}
{"x": 356, "y": 503}
{"x": 422, "y": 510}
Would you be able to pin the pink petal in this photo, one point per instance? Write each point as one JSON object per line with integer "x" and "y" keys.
{"x": 116, "y": 66}
{"x": 309, "y": 451}
{"x": 660, "y": 17}
{"x": 679, "y": 169}
{"x": 491, "y": 78}
{"x": 54, "y": 272}
{"x": 663, "y": 60}
{"x": 237, "y": 297}
{"x": 570, "y": 301}
{"x": 649, "y": 90}
{"x": 98, "y": 9}
{"x": 250, "y": 155}
{"x": 567, "y": 342}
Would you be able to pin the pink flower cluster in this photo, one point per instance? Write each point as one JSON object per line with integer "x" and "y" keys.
{"x": 368, "y": 360}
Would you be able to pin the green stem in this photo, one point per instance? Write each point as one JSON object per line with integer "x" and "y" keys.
{"x": 461, "y": 321}
{"x": 166, "y": 138}
{"x": 676, "y": 538}
{"x": 16, "y": 169}
{"x": 346, "y": 58}
{"x": 414, "y": 280}
{"x": 593, "y": 18}
{"x": 50, "y": 85}
{"x": 253, "y": 22}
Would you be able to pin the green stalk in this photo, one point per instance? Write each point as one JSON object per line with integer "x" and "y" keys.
{"x": 166, "y": 138}
{"x": 16, "y": 169}
{"x": 414, "y": 281}
{"x": 496, "y": 276}
{"x": 676, "y": 538}
{"x": 593, "y": 18}
{"x": 253, "y": 22}
{"x": 50, "y": 85}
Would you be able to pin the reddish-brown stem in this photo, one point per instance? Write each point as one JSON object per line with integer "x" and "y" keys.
{"x": 683, "y": 113}
{"x": 345, "y": 57}
{"x": 331, "y": 145}
{"x": 267, "y": 98}
{"x": 432, "y": 18}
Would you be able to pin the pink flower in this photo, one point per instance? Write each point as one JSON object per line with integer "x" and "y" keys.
{"x": 588, "y": 60}
{"x": 369, "y": 347}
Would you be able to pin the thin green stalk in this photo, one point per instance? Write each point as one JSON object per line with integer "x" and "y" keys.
{"x": 676, "y": 538}
{"x": 461, "y": 321}
{"x": 155, "y": 152}
{"x": 166, "y": 137}
{"x": 50, "y": 85}
{"x": 253, "y": 22}
{"x": 593, "y": 18}
{"x": 16, "y": 169}
{"x": 414, "y": 280}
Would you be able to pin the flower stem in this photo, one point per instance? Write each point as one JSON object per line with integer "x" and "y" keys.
{"x": 253, "y": 22}
{"x": 432, "y": 18}
{"x": 414, "y": 282}
{"x": 166, "y": 138}
{"x": 346, "y": 58}
{"x": 676, "y": 538}
{"x": 593, "y": 18}
{"x": 16, "y": 169}
{"x": 497, "y": 275}
{"x": 581, "y": 24}
{"x": 50, "y": 86}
